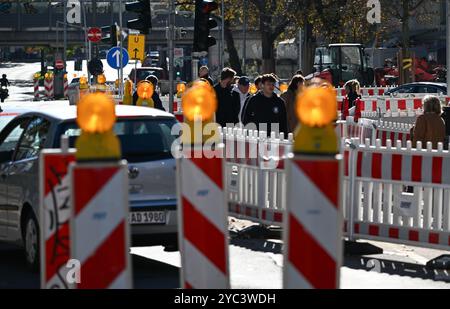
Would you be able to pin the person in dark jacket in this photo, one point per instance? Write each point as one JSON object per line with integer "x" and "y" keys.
{"x": 266, "y": 109}
{"x": 203, "y": 72}
{"x": 155, "y": 97}
{"x": 258, "y": 86}
{"x": 228, "y": 107}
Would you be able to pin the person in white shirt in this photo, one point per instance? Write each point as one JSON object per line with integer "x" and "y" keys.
{"x": 241, "y": 92}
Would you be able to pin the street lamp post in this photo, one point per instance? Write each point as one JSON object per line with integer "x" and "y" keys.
{"x": 65, "y": 34}
{"x": 448, "y": 44}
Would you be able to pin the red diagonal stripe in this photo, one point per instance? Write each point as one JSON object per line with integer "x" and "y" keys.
{"x": 107, "y": 262}
{"x": 309, "y": 258}
{"x": 315, "y": 171}
{"x": 57, "y": 251}
{"x": 207, "y": 238}
{"x": 88, "y": 182}
{"x": 211, "y": 168}
{"x": 56, "y": 167}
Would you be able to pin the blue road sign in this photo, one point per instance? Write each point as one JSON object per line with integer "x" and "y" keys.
{"x": 203, "y": 61}
{"x": 113, "y": 57}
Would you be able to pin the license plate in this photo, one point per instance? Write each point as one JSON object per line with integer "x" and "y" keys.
{"x": 148, "y": 217}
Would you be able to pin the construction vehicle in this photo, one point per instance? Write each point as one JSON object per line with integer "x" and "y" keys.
{"x": 339, "y": 63}
{"x": 424, "y": 71}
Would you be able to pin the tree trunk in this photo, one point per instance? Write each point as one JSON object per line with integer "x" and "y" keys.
{"x": 268, "y": 55}
{"x": 309, "y": 47}
{"x": 235, "y": 62}
{"x": 405, "y": 40}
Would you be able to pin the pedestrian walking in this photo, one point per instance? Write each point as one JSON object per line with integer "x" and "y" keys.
{"x": 203, "y": 72}
{"x": 266, "y": 110}
{"x": 227, "y": 107}
{"x": 241, "y": 92}
{"x": 295, "y": 86}
{"x": 430, "y": 127}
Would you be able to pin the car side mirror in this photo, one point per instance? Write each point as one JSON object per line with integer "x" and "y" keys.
{"x": 6, "y": 156}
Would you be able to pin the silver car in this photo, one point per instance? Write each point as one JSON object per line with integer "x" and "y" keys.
{"x": 146, "y": 141}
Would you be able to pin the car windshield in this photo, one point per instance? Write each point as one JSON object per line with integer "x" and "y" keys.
{"x": 141, "y": 139}
{"x": 4, "y": 120}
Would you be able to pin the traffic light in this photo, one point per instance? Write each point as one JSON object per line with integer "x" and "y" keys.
{"x": 110, "y": 34}
{"x": 203, "y": 24}
{"x": 144, "y": 22}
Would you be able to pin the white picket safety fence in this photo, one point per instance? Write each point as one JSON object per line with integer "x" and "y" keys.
{"x": 255, "y": 174}
{"x": 380, "y": 204}
{"x": 376, "y": 195}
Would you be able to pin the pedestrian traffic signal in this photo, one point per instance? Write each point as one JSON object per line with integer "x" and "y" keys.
{"x": 144, "y": 22}
{"x": 203, "y": 24}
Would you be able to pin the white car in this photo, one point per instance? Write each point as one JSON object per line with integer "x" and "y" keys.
{"x": 146, "y": 141}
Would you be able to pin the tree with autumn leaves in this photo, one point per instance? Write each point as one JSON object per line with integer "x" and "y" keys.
{"x": 330, "y": 21}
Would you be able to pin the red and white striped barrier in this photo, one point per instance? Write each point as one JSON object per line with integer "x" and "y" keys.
{"x": 55, "y": 211}
{"x": 66, "y": 88}
{"x": 255, "y": 170}
{"x": 203, "y": 223}
{"x": 48, "y": 85}
{"x": 99, "y": 224}
{"x": 392, "y": 131}
{"x": 313, "y": 240}
{"x": 382, "y": 209}
{"x": 36, "y": 89}
{"x": 394, "y": 105}
{"x": 376, "y": 91}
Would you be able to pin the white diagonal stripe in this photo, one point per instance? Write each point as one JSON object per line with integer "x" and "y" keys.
{"x": 122, "y": 281}
{"x": 108, "y": 202}
{"x": 293, "y": 279}
{"x": 200, "y": 272}
{"x": 315, "y": 212}
{"x": 203, "y": 194}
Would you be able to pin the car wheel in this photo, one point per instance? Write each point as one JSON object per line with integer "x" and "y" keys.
{"x": 31, "y": 242}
